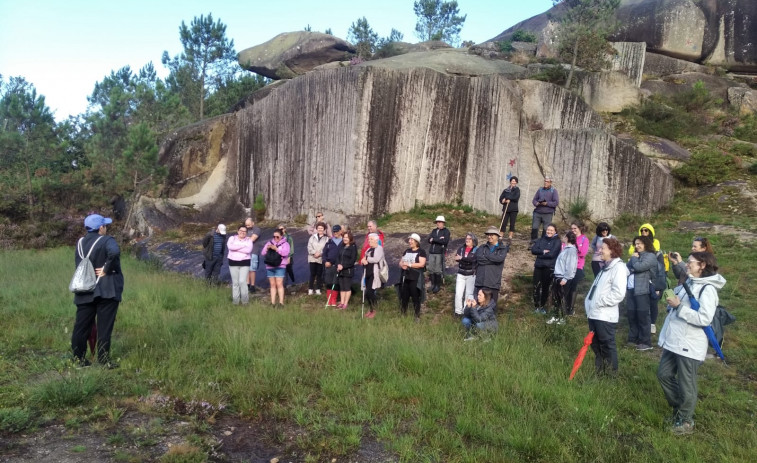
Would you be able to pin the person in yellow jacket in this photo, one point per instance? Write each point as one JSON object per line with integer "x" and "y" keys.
{"x": 646, "y": 230}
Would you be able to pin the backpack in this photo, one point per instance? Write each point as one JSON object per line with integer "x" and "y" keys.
{"x": 272, "y": 258}
{"x": 721, "y": 318}
{"x": 660, "y": 279}
{"x": 84, "y": 279}
{"x": 383, "y": 270}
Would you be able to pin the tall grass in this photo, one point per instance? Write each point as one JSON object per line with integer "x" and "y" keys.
{"x": 417, "y": 388}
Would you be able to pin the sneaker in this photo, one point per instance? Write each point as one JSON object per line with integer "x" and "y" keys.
{"x": 561, "y": 321}
{"x": 643, "y": 347}
{"x": 552, "y": 321}
{"x": 470, "y": 337}
{"x": 653, "y": 329}
{"x": 310, "y": 292}
{"x": 682, "y": 428}
{"x": 318, "y": 292}
{"x": 252, "y": 290}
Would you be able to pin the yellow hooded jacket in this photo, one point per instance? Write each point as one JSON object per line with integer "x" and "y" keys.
{"x": 656, "y": 242}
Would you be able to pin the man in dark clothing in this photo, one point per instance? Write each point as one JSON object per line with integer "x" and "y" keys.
{"x": 545, "y": 202}
{"x": 100, "y": 305}
{"x": 490, "y": 260}
{"x": 439, "y": 239}
{"x": 509, "y": 200}
{"x": 214, "y": 250}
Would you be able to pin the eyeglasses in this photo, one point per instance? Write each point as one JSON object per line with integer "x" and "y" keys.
{"x": 242, "y": 231}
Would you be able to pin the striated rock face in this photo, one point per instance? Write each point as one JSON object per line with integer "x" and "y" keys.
{"x": 365, "y": 141}
{"x": 718, "y": 32}
{"x": 294, "y": 53}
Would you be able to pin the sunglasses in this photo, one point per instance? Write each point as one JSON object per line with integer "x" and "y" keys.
{"x": 645, "y": 230}
{"x": 277, "y": 237}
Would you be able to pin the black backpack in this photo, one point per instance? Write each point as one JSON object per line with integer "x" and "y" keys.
{"x": 272, "y": 258}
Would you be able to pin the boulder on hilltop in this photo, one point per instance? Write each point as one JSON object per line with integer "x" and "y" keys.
{"x": 294, "y": 53}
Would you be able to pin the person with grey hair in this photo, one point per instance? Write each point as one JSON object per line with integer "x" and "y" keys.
{"x": 371, "y": 275}
{"x": 490, "y": 260}
{"x": 466, "y": 272}
{"x": 214, "y": 250}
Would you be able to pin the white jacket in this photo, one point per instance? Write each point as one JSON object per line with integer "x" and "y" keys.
{"x": 316, "y": 245}
{"x": 607, "y": 291}
{"x": 683, "y": 332}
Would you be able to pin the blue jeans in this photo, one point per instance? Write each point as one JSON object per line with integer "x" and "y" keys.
{"x": 468, "y": 324}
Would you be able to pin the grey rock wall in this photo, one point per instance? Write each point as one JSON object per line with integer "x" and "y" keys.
{"x": 364, "y": 141}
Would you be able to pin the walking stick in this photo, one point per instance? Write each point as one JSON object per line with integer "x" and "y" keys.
{"x": 501, "y": 233}
{"x": 362, "y": 305}
{"x": 333, "y": 285}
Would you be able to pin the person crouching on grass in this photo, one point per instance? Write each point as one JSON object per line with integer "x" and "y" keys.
{"x": 480, "y": 315}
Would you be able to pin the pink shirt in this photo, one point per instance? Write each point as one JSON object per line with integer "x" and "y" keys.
{"x": 582, "y": 246}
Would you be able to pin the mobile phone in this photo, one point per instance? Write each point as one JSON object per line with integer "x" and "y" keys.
{"x": 667, "y": 294}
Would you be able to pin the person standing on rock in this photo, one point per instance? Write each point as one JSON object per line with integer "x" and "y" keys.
{"x": 509, "y": 200}
{"x": 372, "y": 228}
{"x": 319, "y": 219}
{"x": 438, "y": 239}
{"x": 490, "y": 260}
{"x": 290, "y": 258}
{"x": 316, "y": 244}
{"x": 330, "y": 262}
{"x": 100, "y": 305}
{"x": 545, "y": 202}
{"x": 254, "y": 233}
{"x": 214, "y": 250}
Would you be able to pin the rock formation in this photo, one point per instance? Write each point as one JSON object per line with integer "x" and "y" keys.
{"x": 717, "y": 32}
{"x": 372, "y": 139}
{"x": 294, "y": 53}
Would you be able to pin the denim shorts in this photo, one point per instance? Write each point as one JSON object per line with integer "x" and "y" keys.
{"x": 277, "y": 272}
{"x": 254, "y": 263}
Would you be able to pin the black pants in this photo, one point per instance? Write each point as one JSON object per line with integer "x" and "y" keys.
{"x": 509, "y": 217}
{"x": 542, "y": 281}
{"x": 213, "y": 268}
{"x": 570, "y": 291}
{"x": 290, "y": 269}
{"x": 410, "y": 290}
{"x": 100, "y": 311}
{"x": 637, "y": 309}
{"x": 558, "y": 297}
{"x": 603, "y": 345}
{"x": 316, "y": 276}
{"x": 371, "y": 297}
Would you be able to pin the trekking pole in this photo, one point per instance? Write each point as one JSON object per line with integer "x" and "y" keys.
{"x": 362, "y": 305}
{"x": 501, "y": 233}
{"x": 333, "y": 285}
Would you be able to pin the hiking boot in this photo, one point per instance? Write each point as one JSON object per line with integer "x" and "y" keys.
{"x": 643, "y": 347}
{"x": 552, "y": 321}
{"x": 682, "y": 428}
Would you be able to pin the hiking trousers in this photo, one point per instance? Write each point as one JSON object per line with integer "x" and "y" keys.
{"x": 678, "y": 377}
{"x": 103, "y": 313}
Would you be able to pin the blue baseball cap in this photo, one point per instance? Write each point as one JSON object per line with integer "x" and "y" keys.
{"x": 95, "y": 221}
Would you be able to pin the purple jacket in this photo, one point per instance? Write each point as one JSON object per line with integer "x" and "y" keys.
{"x": 548, "y": 195}
{"x": 283, "y": 249}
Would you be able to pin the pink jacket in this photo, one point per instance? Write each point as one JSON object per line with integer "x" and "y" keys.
{"x": 239, "y": 249}
{"x": 582, "y": 246}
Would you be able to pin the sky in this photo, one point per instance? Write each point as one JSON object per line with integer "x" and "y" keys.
{"x": 64, "y": 47}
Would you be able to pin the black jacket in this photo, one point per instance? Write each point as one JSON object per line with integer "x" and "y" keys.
{"x": 513, "y": 195}
{"x": 439, "y": 239}
{"x": 548, "y": 259}
{"x": 107, "y": 254}
{"x": 347, "y": 258}
{"x": 466, "y": 265}
{"x": 207, "y": 245}
{"x": 490, "y": 260}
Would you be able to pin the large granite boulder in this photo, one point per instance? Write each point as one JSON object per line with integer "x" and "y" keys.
{"x": 718, "y": 32}
{"x": 368, "y": 140}
{"x": 294, "y": 53}
{"x": 743, "y": 99}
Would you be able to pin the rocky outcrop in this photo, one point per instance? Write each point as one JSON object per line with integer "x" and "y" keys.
{"x": 368, "y": 140}
{"x": 743, "y": 100}
{"x": 717, "y": 32}
{"x": 294, "y": 53}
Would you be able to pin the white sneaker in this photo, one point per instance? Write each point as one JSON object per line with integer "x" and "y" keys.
{"x": 310, "y": 292}
{"x": 561, "y": 321}
{"x": 653, "y": 329}
{"x": 552, "y": 321}
{"x": 318, "y": 292}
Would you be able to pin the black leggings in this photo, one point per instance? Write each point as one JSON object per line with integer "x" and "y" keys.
{"x": 370, "y": 296}
{"x": 542, "y": 281}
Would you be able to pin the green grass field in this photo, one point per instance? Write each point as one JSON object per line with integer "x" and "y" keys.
{"x": 418, "y": 389}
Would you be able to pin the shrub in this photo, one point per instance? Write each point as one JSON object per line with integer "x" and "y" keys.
{"x": 579, "y": 209}
{"x": 695, "y": 99}
{"x": 753, "y": 169}
{"x": 506, "y": 46}
{"x": 554, "y": 74}
{"x": 523, "y": 36}
{"x": 747, "y": 129}
{"x": 706, "y": 168}
{"x": 259, "y": 207}
{"x": 14, "y": 419}
{"x": 656, "y": 117}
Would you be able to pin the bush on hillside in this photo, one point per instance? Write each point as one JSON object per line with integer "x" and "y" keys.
{"x": 523, "y": 36}
{"x": 707, "y": 168}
